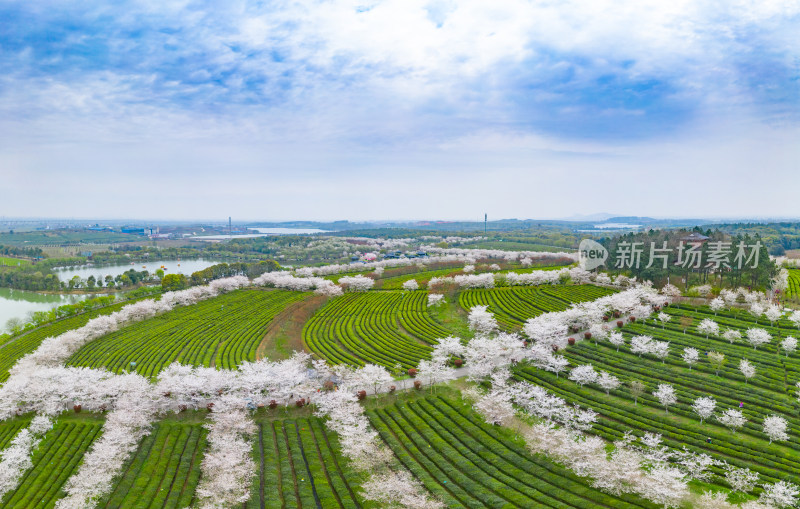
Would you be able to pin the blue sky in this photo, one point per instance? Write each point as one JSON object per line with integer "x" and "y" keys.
{"x": 399, "y": 109}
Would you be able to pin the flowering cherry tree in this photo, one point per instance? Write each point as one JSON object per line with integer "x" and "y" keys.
{"x": 704, "y": 407}
{"x": 773, "y": 314}
{"x": 732, "y": 419}
{"x": 616, "y": 339}
{"x": 15, "y": 459}
{"x": 732, "y": 335}
{"x": 435, "y": 298}
{"x": 372, "y": 375}
{"x": 666, "y": 395}
{"x": 795, "y": 318}
{"x": 756, "y": 309}
{"x": 660, "y": 349}
{"x": 411, "y": 285}
{"x": 690, "y": 356}
{"x": 357, "y": 283}
{"x": 708, "y": 327}
{"x": 775, "y": 428}
{"x": 495, "y": 406}
{"x": 641, "y": 344}
{"x": 758, "y": 337}
{"x": 789, "y": 345}
{"x": 781, "y": 494}
{"x": 227, "y": 465}
{"x": 584, "y": 374}
{"x": 664, "y": 318}
{"x": 608, "y": 382}
{"x": 747, "y": 369}
{"x": 481, "y": 320}
{"x": 740, "y": 479}
{"x": 716, "y": 305}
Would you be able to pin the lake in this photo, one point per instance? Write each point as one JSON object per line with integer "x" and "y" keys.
{"x": 263, "y": 232}
{"x": 19, "y": 303}
{"x": 101, "y": 271}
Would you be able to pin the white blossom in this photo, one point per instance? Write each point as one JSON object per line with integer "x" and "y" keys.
{"x": 690, "y": 356}
{"x": 666, "y": 395}
{"x": 747, "y": 369}
{"x": 779, "y": 495}
{"x": 732, "y": 418}
{"x": 704, "y": 407}
{"x": 481, "y": 320}
{"x": 789, "y": 345}
{"x": 775, "y": 428}
{"x": 584, "y": 374}
{"x": 758, "y": 337}
{"x": 608, "y": 382}
{"x": 411, "y": 285}
{"x": 708, "y": 326}
{"x": 732, "y": 335}
{"x": 740, "y": 479}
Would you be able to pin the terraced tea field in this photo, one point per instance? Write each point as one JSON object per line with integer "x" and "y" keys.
{"x": 164, "y": 471}
{"x": 468, "y": 463}
{"x": 221, "y": 332}
{"x": 770, "y": 392}
{"x": 512, "y": 306}
{"x": 300, "y": 465}
{"x": 16, "y": 347}
{"x": 54, "y": 461}
{"x": 383, "y": 328}
{"x": 793, "y": 292}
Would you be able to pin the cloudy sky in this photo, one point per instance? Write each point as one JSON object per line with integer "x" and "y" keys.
{"x": 399, "y": 109}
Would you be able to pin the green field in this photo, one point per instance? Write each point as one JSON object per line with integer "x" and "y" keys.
{"x": 512, "y": 306}
{"x": 300, "y": 465}
{"x": 383, "y": 328}
{"x": 769, "y": 392}
{"x": 13, "y": 262}
{"x": 54, "y": 461}
{"x": 793, "y": 292}
{"x": 9, "y": 429}
{"x": 164, "y": 471}
{"x": 220, "y": 332}
{"x": 467, "y": 463}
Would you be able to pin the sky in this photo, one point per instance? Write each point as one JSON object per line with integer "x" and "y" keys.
{"x": 399, "y": 109}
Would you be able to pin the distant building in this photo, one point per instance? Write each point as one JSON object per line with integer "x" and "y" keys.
{"x": 132, "y": 230}
{"x": 696, "y": 238}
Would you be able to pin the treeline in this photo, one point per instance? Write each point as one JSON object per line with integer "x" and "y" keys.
{"x": 37, "y": 276}
{"x": 125, "y": 254}
{"x": 27, "y": 252}
{"x": 778, "y": 237}
{"x": 174, "y": 282}
{"x": 643, "y": 255}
